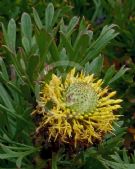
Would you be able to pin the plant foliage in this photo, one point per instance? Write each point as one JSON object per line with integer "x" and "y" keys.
{"x": 39, "y": 46}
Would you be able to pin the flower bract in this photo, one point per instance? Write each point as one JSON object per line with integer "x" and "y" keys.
{"x": 76, "y": 109}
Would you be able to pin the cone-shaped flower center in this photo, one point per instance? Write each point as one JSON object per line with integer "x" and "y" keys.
{"x": 81, "y": 97}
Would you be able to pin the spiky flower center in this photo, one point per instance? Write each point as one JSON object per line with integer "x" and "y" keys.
{"x": 81, "y": 97}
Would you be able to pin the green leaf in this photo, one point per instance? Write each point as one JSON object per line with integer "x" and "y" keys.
{"x": 95, "y": 66}
{"x": 13, "y": 114}
{"x": 107, "y": 34}
{"x": 54, "y": 161}
{"x": 119, "y": 74}
{"x": 56, "y": 16}
{"x": 67, "y": 45}
{"x": 4, "y": 70}
{"x": 110, "y": 144}
{"x": 11, "y": 152}
{"x": 49, "y": 14}
{"x": 33, "y": 68}
{"x": 63, "y": 56}
{"x": 109, "y": 73}
{"x": 4, "y": 33}
{"x": 19, "y": 161}
{"x": 63, "y": 27}
{"x": 26, "y": 44}
{"x": 37, "y": 91}
{"x": 11, "y": 34}
{"x": 37, "y": 19}
{"x": 7, "y": 150}
{"x": 93, "y": 163}
{"x": 15, "y": 88}
{"x": 82, "y": 25}
{"x": 125, "y": 156}
{"x": 70, "y": 28}
{"x": 54, "y": 51}
{"x": 90, "y": 33}
{"x": 63, "y": 62}
{"x": 6, "y": 98}
{"x": 80, "y": 47}
{"x": 44, "y": 41}
{"x": 117, "y": 158}
{"x": 116, "y": 165}
{"x": 26, "y": 26}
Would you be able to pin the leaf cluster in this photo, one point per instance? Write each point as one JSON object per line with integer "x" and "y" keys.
{"x": 42, "y": 47}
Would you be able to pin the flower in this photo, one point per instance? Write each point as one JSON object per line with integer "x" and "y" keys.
{"x": 76, "y": 109}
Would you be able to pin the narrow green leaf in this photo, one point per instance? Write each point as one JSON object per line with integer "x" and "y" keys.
{"x": 119, "y": 74}
{"x": 107, "y": 34}
{"x": 96, "y": 165}
{"x": 37, "y": 19}
{"x": 44, "y": 41}
{"x": 90, "y": 34}
{"x": 125, "y": 156}
{"x": 6, "y": 156}
{"x": 72, "y": 24}
{"x": 4, "y": 69}
{"x": 49, "y": 14}
{"x": 14, "y": 88}
{"x": 56, "y": 16}
{"x": 11, "y": 34}
{"x": 54, "y": 51}
{"x": 26, "y": 44}
{"x": 80, "y": 47}
{"x": 115, "y": 165}
{"x": 26, "y": 26}
{"x": 32, "y": 67}
{"x": 63, "y": 27}
{"x": 108, "y": 75}
{"x": 63, "y": 56}
{"x": 5, "y": 33}
{"x": 16, "y": 62}
{"x": 37, "y": 91}
{"x": 19, "y": 161}
{"x": 117, "y": 158}
{"x": 7, "y": 150}
{"x": 6, "y": 98}
{"x": 54, "y": 161}
{"x": 95, "y": 66}
{"x": 67, "y": 45}
{"x": 13, "y": 114}
{"x": 82, "y": 25}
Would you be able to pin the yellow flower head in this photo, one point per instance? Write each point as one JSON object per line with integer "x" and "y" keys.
{"x": 76, "y": 109}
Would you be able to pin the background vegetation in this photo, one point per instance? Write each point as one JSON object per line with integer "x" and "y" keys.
{"x": 38, "y": 38}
